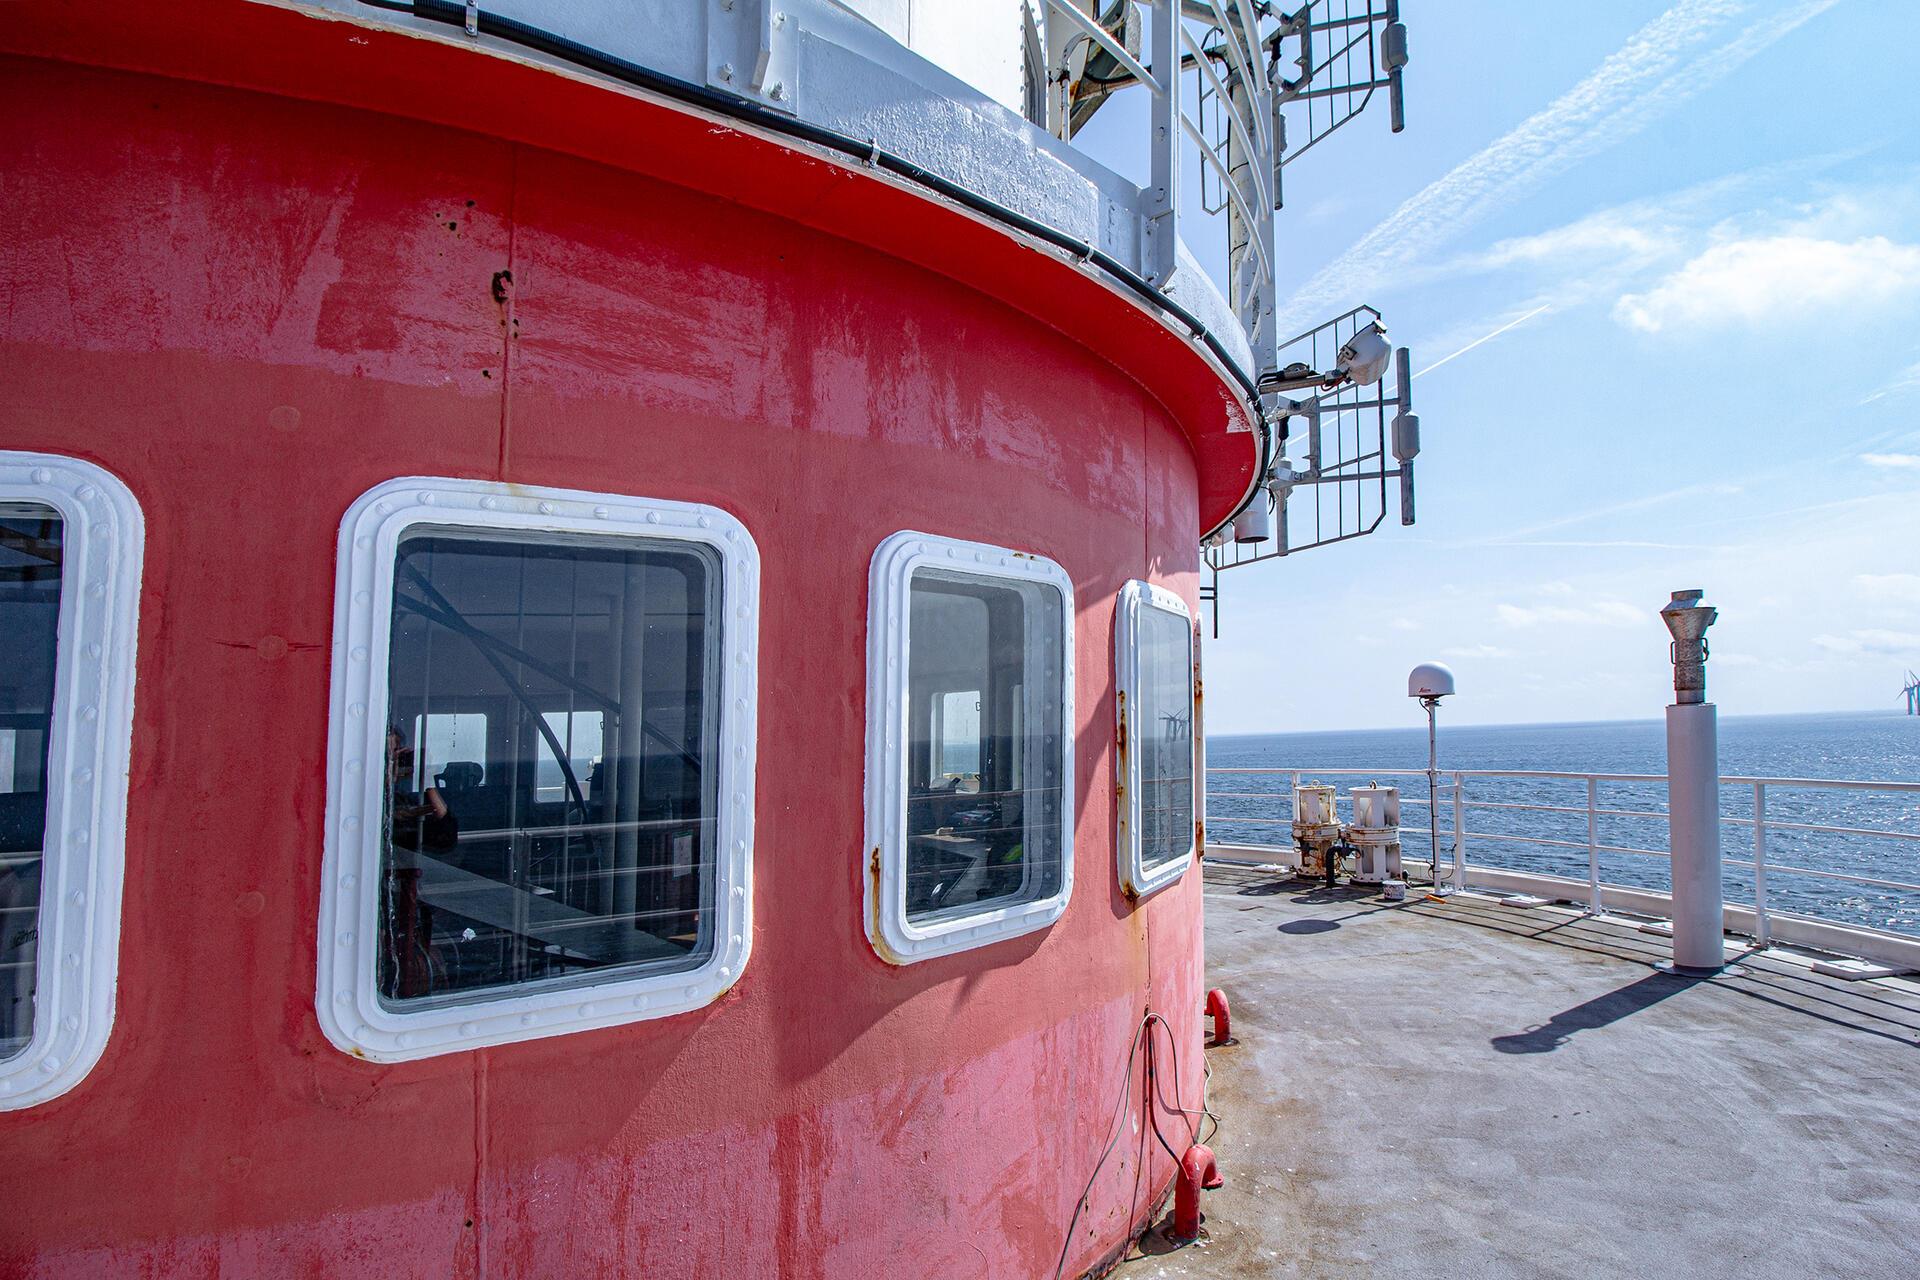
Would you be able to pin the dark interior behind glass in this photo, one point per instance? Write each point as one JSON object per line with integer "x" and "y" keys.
{"x": 551, "y": 761}
{"x": 985, "y": 687}
{"x": 1164, "y": 725}
{"x": 30, "y": 574}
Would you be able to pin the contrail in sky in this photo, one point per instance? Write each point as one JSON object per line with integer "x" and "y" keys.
{"x": 1685, "y": 50}
{"x": 1484, "y": 338}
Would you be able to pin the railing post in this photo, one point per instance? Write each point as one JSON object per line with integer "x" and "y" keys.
{"x": 1594, "y": 906}
{"x": 1163, "y": 146}
{"x": 1459, "y": 831}
{"x": 1293, "y": 797}
{"x": 1762, "y": 931}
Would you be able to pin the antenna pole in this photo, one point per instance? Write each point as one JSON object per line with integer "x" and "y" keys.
{"x": 1433, "y": 791}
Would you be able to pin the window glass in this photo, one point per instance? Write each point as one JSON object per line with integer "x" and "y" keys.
{"x": 30, "y": 581}
{"x": 956, "y": 734}
{"x": 551, "y": 762}
{"x": 581, "y": 735}
{"x": 984, "y": 785}
{"x": 1164, "y": 745}
{"x": 447, "y": 738}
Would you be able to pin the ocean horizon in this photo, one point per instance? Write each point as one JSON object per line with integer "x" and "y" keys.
{"x": 1871, "y": 746}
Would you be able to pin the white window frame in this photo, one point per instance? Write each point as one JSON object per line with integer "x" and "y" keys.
{"x": 89, "y": 754}
{"x": 347, "y": 998}
{"x": 1136, "y": 878}
{"x": 889, "y": 610}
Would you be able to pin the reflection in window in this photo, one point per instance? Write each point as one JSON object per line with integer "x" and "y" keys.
{"x": 1163, "y": 748}
{"x": 553, "y": 712}
{"x": 984, "y": 763}
{"x": 444, "y": 738}
{"x": 30, "y": 578}
{"x": 956, "y": 731}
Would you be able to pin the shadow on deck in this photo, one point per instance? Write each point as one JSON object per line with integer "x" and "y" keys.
{"x": 1466, "y": 1089}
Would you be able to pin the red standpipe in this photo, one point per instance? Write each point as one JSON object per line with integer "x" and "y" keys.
{"x": 1197, "y": 1170}
{"x": 1222, "y": 1019}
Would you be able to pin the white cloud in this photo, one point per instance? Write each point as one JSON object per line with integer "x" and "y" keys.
{"x": 1608, "y": 234}
{"x": 1768, "y": 278}
{"x": 1890, "y": 588}
{"x": 1908, "y": 379}
{"x": 1476, "y": 651}
{"x": 1891, "y": 461}
{"x": 1872, "y": 640}
{"x": 1597, "y": 613}
{"x": 1679, "y": 54}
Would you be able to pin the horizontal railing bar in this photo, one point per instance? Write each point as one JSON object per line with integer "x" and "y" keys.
{"x": 1773, "y": 866}
{"x": 1726, "y": 780}
{"x": 1772, "y": 824}
{"x": 1777, "y": 824}
{"x": 1570, "y": 844}
{"x": 1531, "y": 808}
{"x": 1838, "y": 784}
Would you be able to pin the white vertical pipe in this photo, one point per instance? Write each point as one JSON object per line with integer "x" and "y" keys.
{"x": 1593, "y": 848}
{"x": 1693, "y": 817}
{"x": 1433, "y": 790}
{"x": 1459, "y": 831}
{"x": 1763, "y": 929}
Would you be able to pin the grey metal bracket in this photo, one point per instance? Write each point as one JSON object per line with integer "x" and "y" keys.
{"x": 752, "y": 51}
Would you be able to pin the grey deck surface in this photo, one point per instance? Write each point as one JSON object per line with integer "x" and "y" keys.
{"x": 1467, "y": 1089}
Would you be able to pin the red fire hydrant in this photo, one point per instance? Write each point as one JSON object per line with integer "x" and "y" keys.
{"x": 1197, "y": 1170}
{"x": 1222, "y": 1019}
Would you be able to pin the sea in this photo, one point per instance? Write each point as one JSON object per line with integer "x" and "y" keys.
{"x": 1256, "y": 808}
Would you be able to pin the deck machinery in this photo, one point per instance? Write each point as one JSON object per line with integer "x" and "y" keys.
{"x": 597, "y": 619}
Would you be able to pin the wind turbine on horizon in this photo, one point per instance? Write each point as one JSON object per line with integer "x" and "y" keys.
{"x": 1911, "y": 692}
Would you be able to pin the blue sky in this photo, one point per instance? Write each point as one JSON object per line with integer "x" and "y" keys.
{"x": 1694, "y": 229}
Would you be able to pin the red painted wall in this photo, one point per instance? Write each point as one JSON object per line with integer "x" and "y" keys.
{"x": 252, "y": 310}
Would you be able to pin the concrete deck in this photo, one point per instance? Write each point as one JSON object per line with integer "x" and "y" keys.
{"x": 1468, "y": 1089}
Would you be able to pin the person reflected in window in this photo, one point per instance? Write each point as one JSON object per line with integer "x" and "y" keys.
{"x": 420, "y": 820}
{"x": 415, "y": 822}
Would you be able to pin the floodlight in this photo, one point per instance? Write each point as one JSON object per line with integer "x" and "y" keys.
{"x": 1365, "y": 356}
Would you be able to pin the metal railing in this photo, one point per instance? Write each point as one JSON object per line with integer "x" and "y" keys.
{"x": 1568, "y": 830}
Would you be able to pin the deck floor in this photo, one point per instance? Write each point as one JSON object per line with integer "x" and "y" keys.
{"x": 1467, "y": 1089}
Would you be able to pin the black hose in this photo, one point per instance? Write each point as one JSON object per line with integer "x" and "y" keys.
{"x": 632, "y": 73}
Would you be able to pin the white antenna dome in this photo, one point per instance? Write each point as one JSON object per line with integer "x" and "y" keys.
{"x": 1430, "y": 680}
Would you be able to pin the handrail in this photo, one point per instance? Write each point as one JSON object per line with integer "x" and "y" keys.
{"x": 1726, "y": 780}
{"x": 1455, "y": 782}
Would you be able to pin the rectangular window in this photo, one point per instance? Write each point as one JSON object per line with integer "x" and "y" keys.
{"x": 971, "y": 757}
{"x": 1153, "y": 660}
{"x": 514, "y": 864}
{"x": 558, "y": 836}
{"x": 31, "y": 567}
{"x": 71, "y": 545}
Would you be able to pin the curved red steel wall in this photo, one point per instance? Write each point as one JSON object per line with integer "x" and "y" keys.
{"x": 252, "y": 310}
